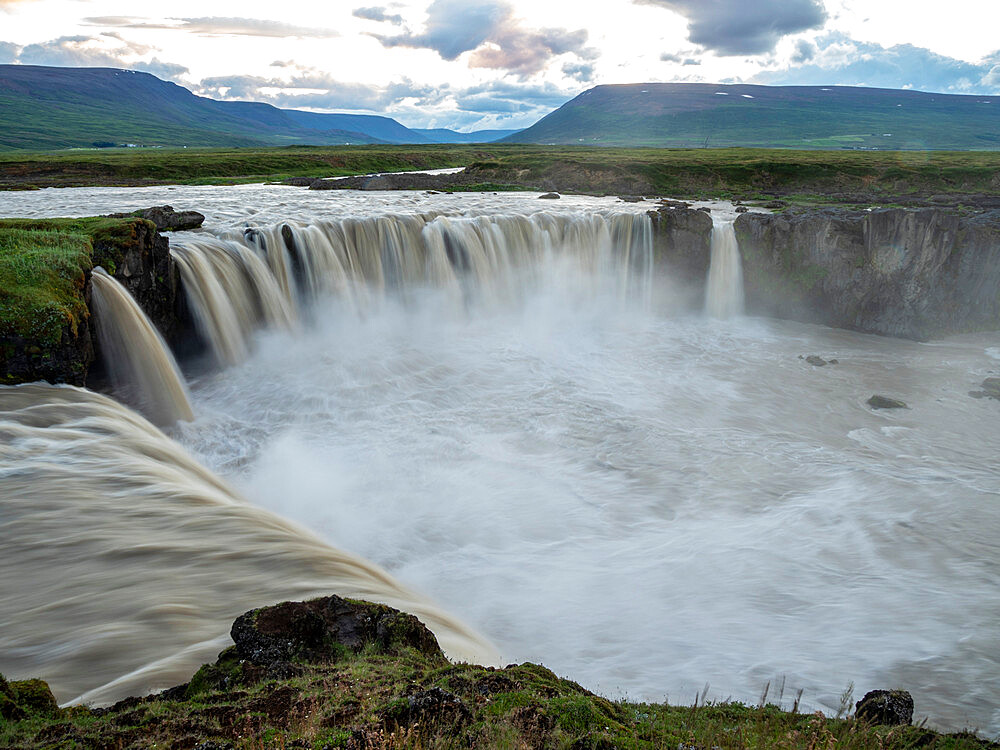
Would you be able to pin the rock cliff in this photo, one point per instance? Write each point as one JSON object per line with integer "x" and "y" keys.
{"x": 916, "y": 274}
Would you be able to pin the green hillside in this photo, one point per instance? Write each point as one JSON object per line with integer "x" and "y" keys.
{"x": 690, "y": 115}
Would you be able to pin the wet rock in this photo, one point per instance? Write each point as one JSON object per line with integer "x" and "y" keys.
{"x": 317, "y": 630}
{"x": 884, "y": 402}
{"x": 885, "y": 708}
{"x": 166, "y": 218}
{"x": 299, "y": 181}
{"x": 775, "y": 204}
{"x": 549, "y": 196}
{"x": 706, "y": 209}
{"x": 741, "y": 209}
{"x": 816, "y": 361}
{"x": 668, "y": 203}
{"x": 631, "y": 198}
{"x": 991, "y": 386}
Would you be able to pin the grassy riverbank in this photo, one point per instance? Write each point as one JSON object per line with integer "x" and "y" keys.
{"x": 684, "y": 172}
{"x": 347, "y": 674}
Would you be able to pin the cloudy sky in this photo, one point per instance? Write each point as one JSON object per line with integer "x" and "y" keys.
{"x": 471, "y": 64}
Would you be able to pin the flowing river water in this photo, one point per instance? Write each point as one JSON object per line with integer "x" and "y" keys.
{"x": 573, "y": 471}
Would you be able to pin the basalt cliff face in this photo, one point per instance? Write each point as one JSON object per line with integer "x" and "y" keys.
{"x": 912, "y": 274}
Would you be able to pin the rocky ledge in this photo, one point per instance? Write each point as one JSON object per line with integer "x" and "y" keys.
{"x": 916, "y": 274}
{"x": 46, "y": 331}
{"x": 338, "y": 673}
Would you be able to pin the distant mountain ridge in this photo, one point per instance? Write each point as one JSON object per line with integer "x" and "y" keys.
{"x": 696, "y": 115}
{"x": 44, "y": 108}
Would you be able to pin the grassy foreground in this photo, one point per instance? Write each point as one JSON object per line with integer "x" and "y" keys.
{"x": 684, "y": 172}
{"x": 336, "y": 673}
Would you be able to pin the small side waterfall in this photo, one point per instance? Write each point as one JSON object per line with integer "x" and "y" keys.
{"x": 136, "y": 355}
{"x": 724, "y": 290}
{"x": 265, "y": 277}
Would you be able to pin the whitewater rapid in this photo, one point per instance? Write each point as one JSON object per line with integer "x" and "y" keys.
{"x": 644, "y": 501}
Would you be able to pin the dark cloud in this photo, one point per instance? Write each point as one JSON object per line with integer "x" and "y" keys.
{"x": 9, "y": 52}
{"x": 582, "y": 72}
{"x": 496, "y": 38}
{"x": 682, "y": 59}
{"x": 737, "y": 27}
{"x": 838, "y": 59}
{"x": 377, "y": 14}
{"x": 804, "y": 51}
{"x": 216, "y": 26}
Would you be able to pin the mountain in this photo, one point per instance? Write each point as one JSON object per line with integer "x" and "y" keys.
{"x": 385, "y": 129}
{"x": 43, "y": 108}
{"x": 694, "y": 115}
{"x": 443, "y": 135}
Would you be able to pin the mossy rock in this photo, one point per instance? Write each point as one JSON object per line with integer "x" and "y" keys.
{"x": 22, "y": 699}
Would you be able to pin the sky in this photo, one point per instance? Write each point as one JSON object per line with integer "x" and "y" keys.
{"x": 475, "y": 64}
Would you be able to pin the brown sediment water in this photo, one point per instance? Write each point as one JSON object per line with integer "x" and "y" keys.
{"x": 125, "y": 561}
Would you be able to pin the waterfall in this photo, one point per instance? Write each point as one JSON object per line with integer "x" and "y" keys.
{"x": 724, "y": 291}
{"x": 152, "y": 556}
{"x": 136, "y": 356}
{"x": 266, "y": 277}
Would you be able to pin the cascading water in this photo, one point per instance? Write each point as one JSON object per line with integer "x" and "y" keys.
{"x": 156, "y": 555}
{"x": 135, "y": 354}
{"x": 724, "y": 289}
{"x": 257, "y": 277}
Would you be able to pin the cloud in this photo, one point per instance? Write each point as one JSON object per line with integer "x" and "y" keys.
{"x": 166, "y": 71}
{"x": 495, "y": 104}
{"x": 496, "y": 38}
{"x": 838, "y": 59}
{"x": 681, "y": 59}
{"x": 737, "y": 27}
{"x": 82, "y": 51}
{"x": 377, "y": 14}
{"x": 582, "y": 72}
{"x": 107, "y": 50}
{"x": 9, "y": 52}
{"x": 216, "y": 26}
{"x": 804, "y": 51}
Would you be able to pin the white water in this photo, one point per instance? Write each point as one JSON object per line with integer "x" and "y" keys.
{"x": 724, "y": 289}
{"x": 644, "y": 503}
{"x": 141, "y": 365}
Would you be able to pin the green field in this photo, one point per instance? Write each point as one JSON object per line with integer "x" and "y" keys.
{"x": 677, "y": 172}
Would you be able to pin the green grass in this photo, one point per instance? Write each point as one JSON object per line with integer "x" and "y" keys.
{"x": 364, "y": 699}
{"x": 744, "y": 172}
{"x": 42, "y": 276}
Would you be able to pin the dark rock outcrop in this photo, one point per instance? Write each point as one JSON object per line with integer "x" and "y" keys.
{"x": 885, "y": 708}
{"x": 22, "y": 698}
{"x": 909, "y": 273}
{"x": 166, "y": 218}
{"x": 314, "y": 631}
{"x": 884, "y": 402}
